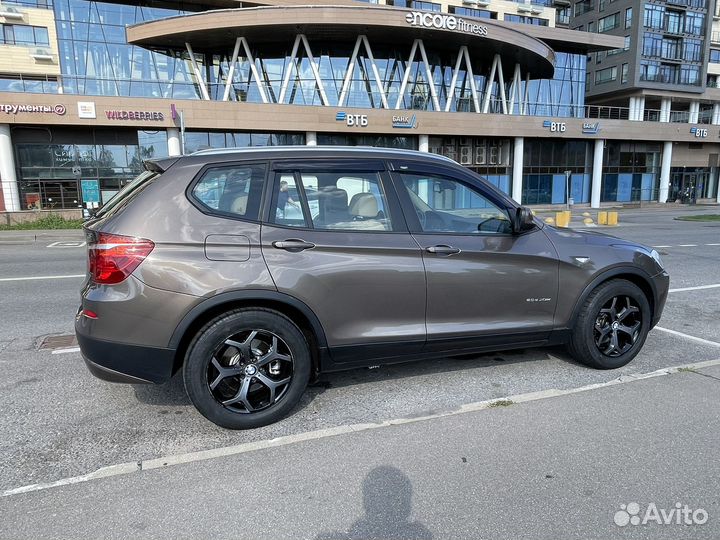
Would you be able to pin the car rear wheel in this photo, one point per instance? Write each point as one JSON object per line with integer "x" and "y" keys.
{"x": 247, "y": 368}
{"x": 612, "y": 326}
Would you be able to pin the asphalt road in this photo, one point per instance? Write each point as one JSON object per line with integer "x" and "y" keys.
{"x": 58, "y": 422}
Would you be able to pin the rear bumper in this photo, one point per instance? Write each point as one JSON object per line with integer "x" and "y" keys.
{"x": 123, "y": 363}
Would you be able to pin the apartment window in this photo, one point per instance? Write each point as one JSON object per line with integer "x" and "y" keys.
{"x": 609, "y": 23}
{"x": 652, "y": 44}
{"x": 23, "y": 34}
{"x": 606, "y": 75}
{"x": 591, "y": 26}
{"x": 671, "y": 48}
{"x": 628, "y": 17}
{"x": 673, "y": 22}
{"x": 694, "y": 23}
{"x": 599, "y": 56}
{"x": 537, "y": 21}
{"x": 690, "y": 75}
{"x": 601, "y": 5}
{"x": 415, "y": 4}
{"x": 715, "y": 56}
{"x": 46, "y": 4}
{"x": 583, "y": 7}
{"x": 562, "y": 15}
{"x": 472, "y": 12}
{"x": 624, "y": 74}
{"x": 627, "y": 43}
{"x": 654, "y": 16}
{"x": 692, "y": 49}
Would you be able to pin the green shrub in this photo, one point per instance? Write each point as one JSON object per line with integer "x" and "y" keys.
{"x": 49, "y": 221}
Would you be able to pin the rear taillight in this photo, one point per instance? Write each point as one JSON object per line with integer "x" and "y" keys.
{"x": 112, "y": 257}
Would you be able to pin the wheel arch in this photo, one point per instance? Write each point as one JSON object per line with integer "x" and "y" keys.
{"x": 297, "y": 311}
{"x": 628, "y": 273}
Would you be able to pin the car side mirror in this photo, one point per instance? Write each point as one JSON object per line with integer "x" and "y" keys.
{"x": 523, "y": 220}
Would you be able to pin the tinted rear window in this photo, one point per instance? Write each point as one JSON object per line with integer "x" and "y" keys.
{"x": 128, "y": 192}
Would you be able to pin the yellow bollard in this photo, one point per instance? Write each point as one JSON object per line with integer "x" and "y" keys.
{"x": 612, "y": 218}
{"x": 562, "y": 219}
{"x": 602, "y": 218}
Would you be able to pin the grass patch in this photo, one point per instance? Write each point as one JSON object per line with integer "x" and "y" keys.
{"x": 700, "y": 217}
{"x": 501, "y": 403}
{"x": 50, "y": 221}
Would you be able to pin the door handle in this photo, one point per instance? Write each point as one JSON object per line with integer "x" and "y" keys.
{"x": 443, "y": 250}
{"x": 293, "y": 245}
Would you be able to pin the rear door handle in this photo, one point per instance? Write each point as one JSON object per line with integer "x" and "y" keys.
{"x": 443, "y": 250}
{"x": 293, "y": 245}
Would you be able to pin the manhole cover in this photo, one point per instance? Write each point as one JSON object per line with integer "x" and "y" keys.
{"x": 58, "y": 342}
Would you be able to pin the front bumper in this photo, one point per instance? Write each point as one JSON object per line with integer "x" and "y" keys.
{"x": 125, "y": 363}
{"x": 662, "y": 287}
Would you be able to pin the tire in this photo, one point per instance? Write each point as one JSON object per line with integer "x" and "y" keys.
{"x": 628, "y": 320}
{"x": 247, "y": 368}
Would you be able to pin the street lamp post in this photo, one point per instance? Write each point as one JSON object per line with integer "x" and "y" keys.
{"x": 567, "y": 189}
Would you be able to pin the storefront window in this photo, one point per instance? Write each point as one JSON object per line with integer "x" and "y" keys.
{"x": 544, "y": 172}
{"x": 489, "y": 157}
{"x": 630, "y": 172}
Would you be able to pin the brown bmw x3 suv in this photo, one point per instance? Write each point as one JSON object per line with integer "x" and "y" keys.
{"x": 254, "y": 270}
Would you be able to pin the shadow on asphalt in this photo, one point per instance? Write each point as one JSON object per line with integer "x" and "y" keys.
{"x": 172, "y": 393}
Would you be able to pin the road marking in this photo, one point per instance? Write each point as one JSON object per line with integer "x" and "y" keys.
{"x": 662, "y": 246}
{"x": 712, "y": 244}
{"x": 687, "y": 245}
{"x": 203, "y": 455}
{"x": 688, "y": 336}
{"x": 63, "y": 351}
{"x": 698, "y": 288}
{"x": 35, "y": 278}
{"x": 67, "y": 244}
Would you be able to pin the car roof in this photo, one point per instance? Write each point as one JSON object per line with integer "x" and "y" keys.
{"x": 318, "y": 151}
{"x": 295, "y": 152}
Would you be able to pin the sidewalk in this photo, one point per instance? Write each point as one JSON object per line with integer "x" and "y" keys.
{"x": 40, "y": 235}
{"x": 580, "y": 465}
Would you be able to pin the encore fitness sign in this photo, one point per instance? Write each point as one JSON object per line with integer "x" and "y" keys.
{"x": 445, "y": 22}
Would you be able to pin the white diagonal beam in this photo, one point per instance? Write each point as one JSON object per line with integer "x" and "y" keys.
{"x": 254, "y": 71}
{"x": 428, "y": 75}
{"x": 198, "y": 74}
{"x": 291, "y": 64}
{"x": 376, "y": 73}
{"x": 515, "y": 89}
{"x": 501, "y": 83}
{"x": 525, "y": 106}
{"x": 453, "y": 82}
{"x": 315, "y": 70}
{"x": 473, "y": 87}
{"x": 406, "y": 76}
{"x": 488, "y": 85}
{"x": 349, "y": 72}
{"x": 231, "y": 71}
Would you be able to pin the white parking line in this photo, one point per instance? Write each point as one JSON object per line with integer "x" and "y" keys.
{"x": 687, "y": 245}
{"x": 688, "y": 336}
{"x": 203, "y": 455}
{"x": 712, "y": 244}
{"x": 35, "y": 278}
{"x": 662, "y": 246}
{"x": 698, "y": 288}
{"x": 63, "y": 351}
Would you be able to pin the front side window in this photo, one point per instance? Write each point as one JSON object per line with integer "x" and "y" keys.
{"x": 235, "y": 191}
{"x": 331, "y": 200}
{"x": 449, "y": 206}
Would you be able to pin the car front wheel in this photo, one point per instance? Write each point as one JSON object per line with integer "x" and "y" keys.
{"x": 247, "y": 368}
{"x": 612, "y": 325}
